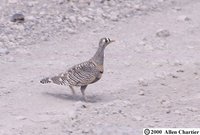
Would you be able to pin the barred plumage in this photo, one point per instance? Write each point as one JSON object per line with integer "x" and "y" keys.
{"x": 84, "y": 73}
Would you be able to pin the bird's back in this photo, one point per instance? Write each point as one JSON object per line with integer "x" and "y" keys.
{"x": 84, "y": 73}
{"x": 79, "y": 75}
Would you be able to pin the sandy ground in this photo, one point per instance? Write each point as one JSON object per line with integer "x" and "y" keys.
{"x": 151, "y": 79}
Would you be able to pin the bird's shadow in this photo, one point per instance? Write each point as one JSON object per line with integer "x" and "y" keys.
{"x": 90, "y": 99}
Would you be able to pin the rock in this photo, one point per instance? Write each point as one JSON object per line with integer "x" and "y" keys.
{"x": 21, "y": 118}
{"x": 173, "y": 76}
{"x": 178, "y": 112}
{"x": 177, "y": 8}
{"x": 165, "y": 103}
{"x": 127, "y": 64}
{"x": 18, "y": 17}
{"x": 12, "y": 1}
{"x": 177, "y": 63}
{"x": 137, "y": 7}
{"x": 138, "y": 118}
{"x": 192, "y": 109}
{"x": 183, "y": 18}
{"x": 32, "y": 3}
{"x": 80, "y": 105}
{"x": 11, "y": 59}
{"x": 163, "y": 33}
{"x": 83, "y": 19}
{"x": 180, "y": 71}
{"x": 31, "y": 18}
{"x": 141, "y": 93}
{"x": 143, "y": 82}
{"x": 4, "y": 51}
{"x": 168, "y": 111}
{"x": 70, "y": 30}
{"x": 23, "y": 51}
{"x": 142, "y": 43}
{"x": 61, "y": 2}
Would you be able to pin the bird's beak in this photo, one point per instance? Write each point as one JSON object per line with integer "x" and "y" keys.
{"x": 112, "y": 40}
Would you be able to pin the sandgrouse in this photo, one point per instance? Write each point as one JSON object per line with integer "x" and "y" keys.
{"x": 83, "y": 74}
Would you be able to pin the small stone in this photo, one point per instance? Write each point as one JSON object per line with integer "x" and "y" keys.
{"x": 127, "y": 64}
{"x": 21, "y": 118}
{"x": 183, "y": 18}
{"x": 11, "y": 59}
{"x": 142, "y": 43}
{"x": 178, "y": 112}
{"x": 32, "y": 3}
{"x": 165, "y": 103}
{"x": 180, "y": 71}
{"x": 23, "y": 51}
{"x": 177, "y": 8}
{"x": 177, "y": 63}
{"x": 72, "y": 19}
{"x": 3, "y": 51}
{"x": 174, "y": 76}
{"x": 142, "y": 82}
{"x": 138, "y": 7}
{"x": 83, "y": 19}
{"x": 18, "y": 17}
{"x": 141, "y": 93}
{"x": 163, "y": 33}
{"x": 168, "y": 111}
{"x": 138, "y": 118}
{"x": 31, "y": 18}
{"x": 12, "y": 1}
{"x": 192, "y": 109}
{"x": 70, "y": 31}
{"x": 61, "y": 2}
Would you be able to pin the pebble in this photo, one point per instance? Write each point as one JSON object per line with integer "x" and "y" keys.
{"x": 141, "y": 93}
{"x": 178, "y": 112}
{"x": 192, "y": 109}
{"x": 168, "y": 111}
{"x": 18, "y": 17}
{"x": 177, "y": 8}
{"x": 165, "y": 103}
{"x": 138, "y": 118}
{"x": 163, "y": 33}
{"x": 143, "y": 82}
{"x": 32, "y": 3}
{"x": 180, "y": 71}
{"x": 12, "y": 1}
{"x": 21, "y": 118}
{"x": 10, "y": 59}
{"x": 183, "y": 18}
{"x": 4, "y": 51}
{"x": 23, "y": 51}
{"x": 177, "y": 63}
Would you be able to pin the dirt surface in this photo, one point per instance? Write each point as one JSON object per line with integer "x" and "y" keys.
{"x": 151, "y": 76}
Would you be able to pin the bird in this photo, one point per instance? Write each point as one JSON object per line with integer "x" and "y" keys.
{"x": 83, "y": 74}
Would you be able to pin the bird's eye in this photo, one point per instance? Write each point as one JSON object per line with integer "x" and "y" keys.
{"x": 106, "y": 40}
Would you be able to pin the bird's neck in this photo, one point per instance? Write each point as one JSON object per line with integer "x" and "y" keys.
{"x": 98, "y": 57}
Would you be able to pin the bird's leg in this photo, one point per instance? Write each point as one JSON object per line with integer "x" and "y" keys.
{"x": 73, "y": 91}
{"x": 83, "y": 92}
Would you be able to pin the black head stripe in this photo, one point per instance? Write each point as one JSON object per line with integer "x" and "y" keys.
{"x": 106, "y": 40}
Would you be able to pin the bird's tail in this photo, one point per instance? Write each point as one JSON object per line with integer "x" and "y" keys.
{"x": 60, "y": 80}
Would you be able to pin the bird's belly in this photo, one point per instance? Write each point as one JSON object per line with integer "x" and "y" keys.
{"x": 97, "y": 78}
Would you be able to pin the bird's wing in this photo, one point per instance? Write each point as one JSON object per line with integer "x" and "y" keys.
{"x": 82, "y": 74}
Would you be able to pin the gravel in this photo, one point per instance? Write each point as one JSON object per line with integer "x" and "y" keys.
{"x": 43, "y": 21}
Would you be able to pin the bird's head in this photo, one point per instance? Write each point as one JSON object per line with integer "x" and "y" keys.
{"x": 105, "y": 41}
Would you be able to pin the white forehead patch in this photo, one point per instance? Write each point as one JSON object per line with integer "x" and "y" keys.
{"x": 106, "y": 40}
